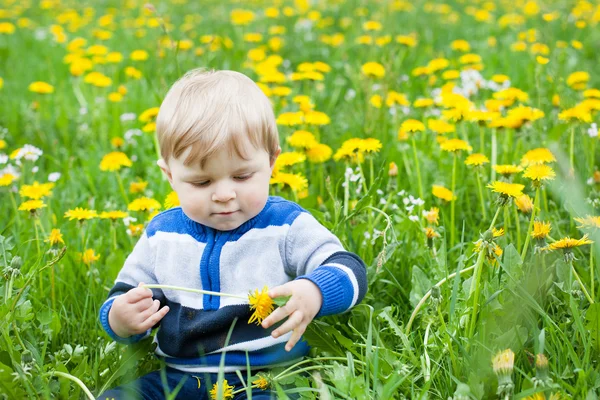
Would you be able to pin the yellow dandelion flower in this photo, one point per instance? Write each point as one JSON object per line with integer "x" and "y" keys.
{"x": 569, "y": 243}
{"x": 289, "y": 158}
{"x": 319, "y": 153}
{"x": 261, "y": 383}
{"x": 137, "y": 187}
{"x": 455, "y": 145}
{"x": 393, "y": 169}
{"x": 442, "y": 193}
{"x": 55, "y": 237}
{"x": 144, "y": 204}
{"x": 589, "y": 221}
{"x": 524, "y": 204}
{"x": 172, "y": 200}
{"x": 302, "y": 139}
{"x": 373, "y": 69}
{"x": 539, "y": 172}
{"x": 135, "y": 229}
{"x": 261, "y": 303}
{"x": 503, "y": 362}
{"x": 114, "y": 215}
{"x": 296, "y": 182}
{"x": 88, "y": 257}
{"x": 6, "y": 179}
{"x": 423, "y": 103}
{"x": 31, "y": 205}
{"x": 412, "y": 125}
{"x": 115, "y": 161}
{"x": 149, "y": 114}
{"x": 507, "y": 189}
{"x": 430, "y": 233}
{"x": 432, "y": 215}
{"x": 370, "y": 145}
{"x": 477, "y": 159}
{"x": 508, "y": 169}
{"x": 37, "y": 190}
{"x": 290, "y": 118}
{"x": 540, "y": 155}
{"x": 316, "y": 118}
{"x": 41, "y": 87}
{"x": 441, "y": 127}
{"x": 497, "y": 232}
{"x": 80, "y": 214}
{"x": 541, "y": 229}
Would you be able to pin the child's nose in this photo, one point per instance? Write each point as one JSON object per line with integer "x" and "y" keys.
{"x": 223, "y": 193}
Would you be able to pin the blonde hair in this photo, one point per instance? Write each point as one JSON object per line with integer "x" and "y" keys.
{"x": 210, "y": 110}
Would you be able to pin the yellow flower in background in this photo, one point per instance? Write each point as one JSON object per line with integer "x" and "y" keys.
{"x": 406, "y": 40}
{"x": 41, "y": 87}
{"x": 316, "y": 118}
{"x": 138, "y": 55}
{"x": 144, "y": 204}
{"x": 137, "y": 187}
{"x": 1, "y": 83}
{"x": 440, "y": 126}
{"x": 455, "y": 145}
{"x": 6, "y": 179}
{"x": 290, "y": 118}
{"x": 432, "y": 216}
{"x": 540, "y": 155}
{"x": 296, "y": 182}
{"x": 241, "y": 17}
{"x": 507, "y": 190}
{"x": 115, "y": 161}
{"x": 578, "y": 80}
{"x": 262, "y": 304}
{"x": 32, "y": 205}
{"x": 114, "y": 215}
{"x": 539, "y": 172}
{"x": 289, "y": 158}
{"x": 319, "y": 153}
{"x": 133, "y": 72}
{"x": 37, "y": 190}
{"x": 524, "y": 204}
{"x": 373, "y": 69}
{"x": 477, "y": 159}
{"x": 460, "y": 45}
{"x": 149, "y": 114}
{"x": 172, "y": 200}
{"x": 507, "y": 170}
{"x": 97, "y": 79}
{"x": 589, "y": 221}
{"x": 302, "y": 139}
{"x": 412, "y": 125}
{"x": 55, "y": 237}
{"x": 262, "y": 382}
{"x": 503, "y": 362}
{"x": 541, "y": 229}
{"x": 576, "y": 114}
{"x": 80, "y": 214}
{"x": 442, "y": 193}
{"x": 7, "y": 28}
{"x": 569, "y": 243}
{"x": 221, "y": 390}
{"x": 542, "y": 60}
{"x": 88, "y": 257}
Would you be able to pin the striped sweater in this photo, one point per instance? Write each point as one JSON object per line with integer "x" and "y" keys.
{"x": 282, "y": 243}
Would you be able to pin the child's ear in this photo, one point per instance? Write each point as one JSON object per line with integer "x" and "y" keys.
{"x": 272, "y": 162}
{"x": 165, "y": 169}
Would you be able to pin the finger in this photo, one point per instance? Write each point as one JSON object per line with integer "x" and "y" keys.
{"x": 144, "y": 304}
{"x": 279, "y": 291}
{"x": 276, "y": 316}
{"x": 154, "y": 318}
{"x": 296, "y": 335}
{"x": 137, "y": 294}
{"x": 146, "y": 313}
{"x": 293, "y": 321}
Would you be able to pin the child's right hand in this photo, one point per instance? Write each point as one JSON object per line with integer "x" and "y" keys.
{"x": 135, "y": 312}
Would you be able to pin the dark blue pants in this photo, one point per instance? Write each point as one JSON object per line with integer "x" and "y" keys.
{"x": 150, "y": 387}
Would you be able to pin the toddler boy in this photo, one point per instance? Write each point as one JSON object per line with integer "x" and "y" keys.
{"x": 219, "y": 142}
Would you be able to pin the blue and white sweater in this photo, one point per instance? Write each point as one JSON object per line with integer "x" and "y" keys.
{"x": 283, "y": 242}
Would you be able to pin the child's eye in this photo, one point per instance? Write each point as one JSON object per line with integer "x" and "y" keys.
{"x": 242, "y": 177}
{"x": 201, "y": 184}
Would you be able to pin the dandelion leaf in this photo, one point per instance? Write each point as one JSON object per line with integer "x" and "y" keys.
{"x": 592, "y": 318}
{"x": 420, "y": 285}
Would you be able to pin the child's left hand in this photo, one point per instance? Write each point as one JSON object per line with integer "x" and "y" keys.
{"x": 304, "y": 303}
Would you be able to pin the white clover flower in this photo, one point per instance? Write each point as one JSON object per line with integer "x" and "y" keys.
{"x": 3, "y": 159}
{"x": 593, "y": 131}
{"x": 54, "y": 176}
{"x": 128, "y": 117}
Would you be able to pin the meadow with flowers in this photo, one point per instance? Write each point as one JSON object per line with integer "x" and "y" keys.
{"x": 452, "y": 145}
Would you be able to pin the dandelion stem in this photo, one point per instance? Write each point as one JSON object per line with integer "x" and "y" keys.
{"x": 76, "y": 380}
{"x": 452, "y": 205}
{"x": 122, "y": 188}
{"x": 585, "y": 292}
{"x": 448, "y": 342}
{"x": 530, "y": 227}
{"x": 518, "y": 228}
{"x": 414, "y": 147}
{"x": 428, "y": 294}
{"x": 592, "y": 271}
{"x": 494, "y": 154}
{"x": 482, "y": 202}
{"x": 571, "y": 147}
{"x": 477, "y": 286}
{"x": 346, "y": 190}
{"x": 199, "y": 291}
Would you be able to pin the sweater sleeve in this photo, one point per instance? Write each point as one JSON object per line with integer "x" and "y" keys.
{"x": 138, "y": 267}
{"x": 316, "y": 254}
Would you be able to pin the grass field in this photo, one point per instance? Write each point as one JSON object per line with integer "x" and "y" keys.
{"x": 451, "y": 145}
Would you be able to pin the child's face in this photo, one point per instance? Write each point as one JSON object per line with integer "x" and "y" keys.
{"x": 227, "y": 191}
